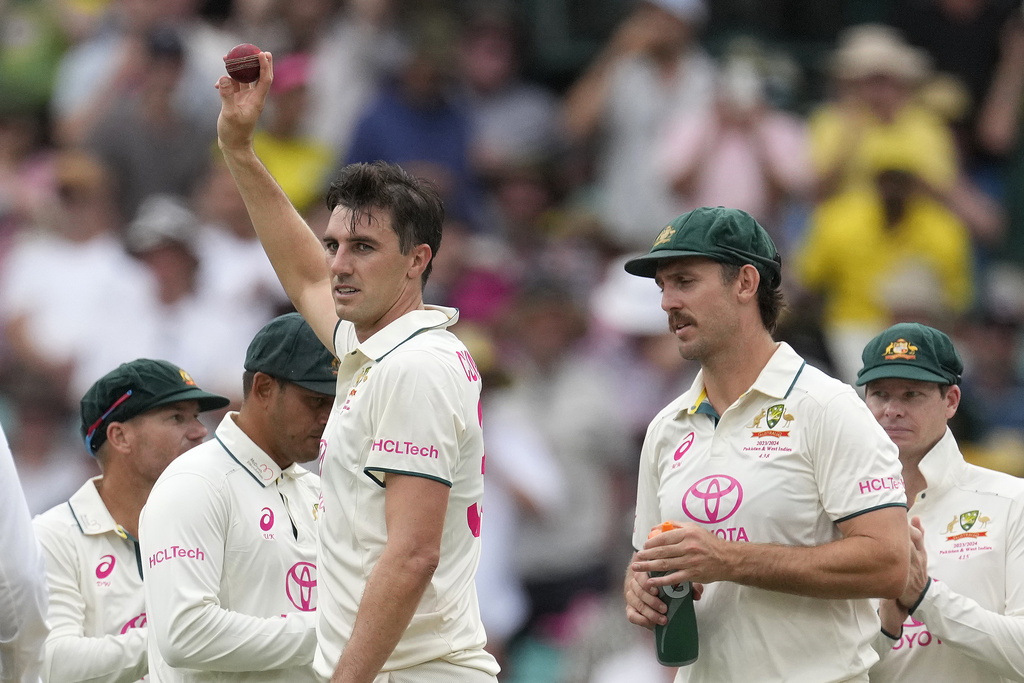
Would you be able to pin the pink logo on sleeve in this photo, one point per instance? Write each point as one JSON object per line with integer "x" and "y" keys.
{"x": 469, "y": 366}
{"x": 300, "y": 586}
{"x": 399, "y": 447}
{"x": 176, "y": 552}
{"x": 473, "y": 516}
{"x": 267, "y": 520}
{"x": 105, "y": 567}
{"x": 880, "y": 484}
{"x": 713, "y": 499}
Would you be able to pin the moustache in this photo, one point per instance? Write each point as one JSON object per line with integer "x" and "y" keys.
{"x": 677, "y": 319}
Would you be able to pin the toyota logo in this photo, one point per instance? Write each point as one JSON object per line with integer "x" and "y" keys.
{"x": 135, "y": 622}
{"x": 713, "y": 499}
{"x": 300, "y": 585}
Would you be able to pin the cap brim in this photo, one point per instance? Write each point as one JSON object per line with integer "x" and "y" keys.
{"x": 647, "y": 265}
{"x": 206, "y": 400}
{"x": 321, "y": 387}
{"x": 900, "y": 371}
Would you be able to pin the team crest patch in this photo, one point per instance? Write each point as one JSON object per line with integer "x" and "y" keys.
{"x": 186, "y": 378}
{"x": 665, "y": 236}
{"x": 960, "y": 526}
{"x": 968, "y": 519}
{"x": 773, "y": 416}
{"x": 964, "y": 535}
{"x": 901, "y": 348}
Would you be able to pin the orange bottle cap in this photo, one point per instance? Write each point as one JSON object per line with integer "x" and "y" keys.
{"x": 661, "y": 528}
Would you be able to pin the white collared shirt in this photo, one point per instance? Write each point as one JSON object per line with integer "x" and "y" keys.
{"x": 23, "y": 592}
{"x": 97, "y": 611}
{"x": 970, "y": 625}
{"x": 797, "y": 453}
{"x": 229, "y": 551}
{"x": 408, "y": 402}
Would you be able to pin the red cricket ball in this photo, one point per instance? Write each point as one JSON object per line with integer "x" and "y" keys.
{"x": 243, "y": 63}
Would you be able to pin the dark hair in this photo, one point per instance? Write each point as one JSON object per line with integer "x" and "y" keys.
{"x": 769, "y": 299}
{"x": 412, "y": 203}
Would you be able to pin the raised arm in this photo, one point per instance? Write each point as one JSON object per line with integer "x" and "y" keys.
{"x": 293, "y": 249}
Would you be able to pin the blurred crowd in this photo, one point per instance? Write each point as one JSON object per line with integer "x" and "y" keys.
{"x": 878, "y": 142}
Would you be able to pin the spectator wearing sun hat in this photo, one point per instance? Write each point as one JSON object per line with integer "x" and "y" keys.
{"x": 876, "y": 73}
{"x": 880, "y": 252}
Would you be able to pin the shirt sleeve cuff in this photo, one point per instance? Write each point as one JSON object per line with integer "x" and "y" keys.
{"x": 920, "y": 598}
{"x": 891, "y": 636}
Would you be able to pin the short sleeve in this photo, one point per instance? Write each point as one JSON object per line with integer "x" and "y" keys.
{"x": 648, "y": 509}
{"x": 856, "y": 466}
{"x": 421, "y": 418}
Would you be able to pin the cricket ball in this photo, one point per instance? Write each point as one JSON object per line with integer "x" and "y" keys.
{"x": 243, "y": 63}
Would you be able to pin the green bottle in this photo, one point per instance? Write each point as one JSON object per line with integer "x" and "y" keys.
{"x": 676, "y": 642}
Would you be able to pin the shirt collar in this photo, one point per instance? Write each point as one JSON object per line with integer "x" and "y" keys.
{"x": 402, "y": 330}
{"x": 940, "y": 465}
{"x": 89, "y": 510}
{"x": 779, "y": 375}
{"x": 776, "y": 380}
{"x": 246, "y": 453}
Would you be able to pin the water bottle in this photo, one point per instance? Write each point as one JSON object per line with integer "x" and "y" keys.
{"x": 676, "y": 642}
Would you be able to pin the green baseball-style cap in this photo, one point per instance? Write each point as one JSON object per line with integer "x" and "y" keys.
{"x": 725, "y": 235}
{"x": 288, "y": 349}
{"x": 134, "y": 388}
{"x": 911, "y": 351}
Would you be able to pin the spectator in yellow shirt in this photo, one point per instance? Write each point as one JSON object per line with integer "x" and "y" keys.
{"x": 875, "y": 114}
{"x": 882, "y": 252}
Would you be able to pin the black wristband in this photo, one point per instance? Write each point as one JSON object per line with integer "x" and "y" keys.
{"x": 917, "y": 603}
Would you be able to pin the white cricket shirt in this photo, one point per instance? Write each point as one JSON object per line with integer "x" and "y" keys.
{"x": 970, "y": 625}
{"x": 229, "y": 552}
{"x": 795, "y": 454}
{"x": 97, "y": 611}
{"x": 23, "y": 591}
{"x": 408, "y": 402}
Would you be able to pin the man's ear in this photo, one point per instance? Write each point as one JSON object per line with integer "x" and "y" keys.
{"x": 119, "y": 436}
{"x": 747, "y": 282}
{"x": 420, "y": 258}
{"x": 263, "y": 386}
{"x": 952, "y": 400}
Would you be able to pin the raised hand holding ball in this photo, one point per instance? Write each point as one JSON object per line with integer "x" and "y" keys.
{"x": 243, "y": 63}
